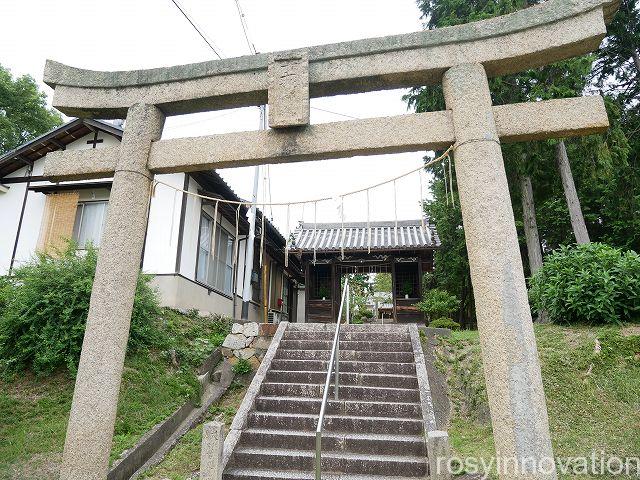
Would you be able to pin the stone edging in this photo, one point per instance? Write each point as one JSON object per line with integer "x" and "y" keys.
{"x": 240, "y": 419}
{"x": 426, "y": 402}
{"x": 154, "y": 444}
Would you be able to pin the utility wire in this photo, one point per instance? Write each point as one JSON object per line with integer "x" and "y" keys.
{"x": 336, "y": 113}
{"x": 200, "y": 32}
{"x": 245, "y": 28}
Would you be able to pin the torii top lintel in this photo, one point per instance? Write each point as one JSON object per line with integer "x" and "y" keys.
{"x": 536, "y": 36}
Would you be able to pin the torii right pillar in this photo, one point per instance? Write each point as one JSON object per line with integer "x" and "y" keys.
{"x": 509, "y": 353}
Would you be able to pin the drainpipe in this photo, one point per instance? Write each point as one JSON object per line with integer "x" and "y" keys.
{"x": 24, "y": 204}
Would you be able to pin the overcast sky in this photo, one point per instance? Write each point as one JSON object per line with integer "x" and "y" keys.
{"x": 126, "y": 34}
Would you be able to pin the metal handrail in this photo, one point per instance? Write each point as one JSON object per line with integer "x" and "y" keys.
{"x": 334, "y": 361}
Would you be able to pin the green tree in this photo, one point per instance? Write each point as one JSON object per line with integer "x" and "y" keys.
{"x": 23, "y": 111}
{"x": 617, "y": 70}
{"x": 382, "y": 283}
{"x": 438, "y": 304}
{"x": 360, "y": 291}
{"x": 604, "y": 166}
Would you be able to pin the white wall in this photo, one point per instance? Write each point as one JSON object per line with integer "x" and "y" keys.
{"x": 10, "y": 207}
{"x": 11, "y": 204}
{"x": 164, "y": 226}
{"x": 81, "y": 143}
{"x": 161, "y": 243}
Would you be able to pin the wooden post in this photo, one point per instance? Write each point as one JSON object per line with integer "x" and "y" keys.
{"x": 265, "y": 290}
{"x": 307, "y": 289}
{"x": 570, "y": 193}
{"x": 393, "y": 289}
{"x": 534, "y": 251}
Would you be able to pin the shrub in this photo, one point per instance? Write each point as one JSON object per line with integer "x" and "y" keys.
{"x": 438, "y": 303}
{"x": 6, "y": 292}
{"x": 444, "y": 322}
{"x": 591, "y": 283}
{"x": 42, "y": 324}
{"x": 242, "y": 367}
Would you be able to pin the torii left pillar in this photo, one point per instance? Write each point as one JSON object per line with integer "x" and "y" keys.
{"x": 88, "y": 444}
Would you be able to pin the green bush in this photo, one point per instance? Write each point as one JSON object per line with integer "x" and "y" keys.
{"x": 46, "y": 304}
{"x": 591, "y": 283}
{"x": 438, "y": 303}
{"x": 366, "y": 313}
{"x": 242, "y": 367}
{"x": 5, "y": 292}
{"x": 444, "y": 322}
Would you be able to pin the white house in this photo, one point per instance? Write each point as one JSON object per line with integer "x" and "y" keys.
{"x": 36, "y": 214}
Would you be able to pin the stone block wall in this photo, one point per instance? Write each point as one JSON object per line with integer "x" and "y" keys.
{"x": 248, "y": 341}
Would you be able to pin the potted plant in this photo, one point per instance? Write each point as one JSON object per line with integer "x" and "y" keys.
{"x": 406, "y": 289}
{"x": 324, "y": 292}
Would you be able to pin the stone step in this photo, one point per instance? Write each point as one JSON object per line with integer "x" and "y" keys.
{"x": 335, "y": 442}
{"x": 345, "y": 366}
{"x": 349, "y": 336}
{"x": 336, "y": 423}
{"x": 296, "y": 405}
{"x": 271, "y": 458}
{"x": 348, "y": 355}
{"x": 255, "y": 474}
{"x": 346, "y": 378}
{"x": 367, "y": 346}
{"x": 312, "y": 328}
{"x": 346, "y": 392}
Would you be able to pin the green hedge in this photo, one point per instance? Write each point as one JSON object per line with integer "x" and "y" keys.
{"x": 591, "y": 283}
{"x": 445, "y": 323}
{"x": 45, "y": 308}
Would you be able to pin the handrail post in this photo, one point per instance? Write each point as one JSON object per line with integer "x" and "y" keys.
{"x": 336, "y": 365}
{"x": 348, "y": 304}
{"x": 334, "y": 360}
{"x": 318, "y": 457}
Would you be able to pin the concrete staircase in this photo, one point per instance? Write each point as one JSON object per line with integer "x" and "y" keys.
{"x": 376, "y": 429}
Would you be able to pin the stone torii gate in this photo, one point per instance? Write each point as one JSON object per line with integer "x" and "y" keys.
{"x": 460, "y": 57}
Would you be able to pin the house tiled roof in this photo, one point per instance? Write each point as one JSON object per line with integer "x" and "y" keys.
{"x": 359, "y": 236}
{"x": 56, "y": 139}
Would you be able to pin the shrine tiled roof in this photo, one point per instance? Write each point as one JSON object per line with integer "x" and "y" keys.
{"x": 362, "y": 236}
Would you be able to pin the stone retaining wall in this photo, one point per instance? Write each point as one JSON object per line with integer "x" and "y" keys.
{"x": 249, "y": 341}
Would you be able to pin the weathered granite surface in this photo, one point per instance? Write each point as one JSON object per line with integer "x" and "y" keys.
{"x": 403, "y": 133}
{"x": 95, "y": 398}
{"x": 289, "y": 90}
{"x": 510, "y": 358}
{"x": 211, "y": 451}
{"x": 539, "y": 35}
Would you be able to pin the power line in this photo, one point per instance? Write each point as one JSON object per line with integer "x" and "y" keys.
{"x": 245, "y": 28}
{"x": 335, "y": 113}
{"x": 204, "y": 37}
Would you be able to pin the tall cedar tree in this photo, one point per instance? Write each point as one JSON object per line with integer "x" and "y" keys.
{"x": 601, "y": 163}
{"x": 23, "y": 111}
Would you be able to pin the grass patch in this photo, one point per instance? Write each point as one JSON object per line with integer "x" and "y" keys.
{"x": 181, "y": 462}
{"x": 34, "y": 410}
{"x": 591, "y": 379}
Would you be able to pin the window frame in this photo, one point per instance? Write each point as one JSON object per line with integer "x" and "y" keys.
{"x": 78, "y": 222}
{"x": 216, "y": 261}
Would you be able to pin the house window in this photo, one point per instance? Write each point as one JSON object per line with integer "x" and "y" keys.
{"x": 215, "y": 266}
{"x": 89, "y": 223}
